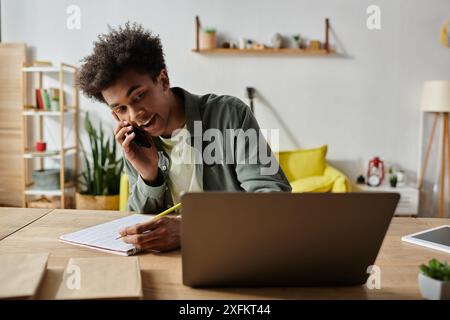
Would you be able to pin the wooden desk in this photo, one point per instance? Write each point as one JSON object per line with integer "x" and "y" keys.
{"x": 13, "y": 219}
{"x": 161, "y": 273}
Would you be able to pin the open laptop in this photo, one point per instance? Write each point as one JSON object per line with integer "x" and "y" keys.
{"x": 282, "y": 239}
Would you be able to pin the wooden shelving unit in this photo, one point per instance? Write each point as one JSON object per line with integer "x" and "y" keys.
{"x": 326, "y": 50}
{"x": 65, "y": 110}
{"x": 12, "y": 57}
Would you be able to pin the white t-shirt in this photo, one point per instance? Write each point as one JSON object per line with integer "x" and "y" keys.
{"x": 182, "y": 172}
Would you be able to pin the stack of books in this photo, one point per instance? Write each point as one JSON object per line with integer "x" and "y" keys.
{"x": 47, "y": 99}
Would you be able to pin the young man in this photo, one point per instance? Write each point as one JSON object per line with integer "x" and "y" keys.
{"x": 127, "y": 71}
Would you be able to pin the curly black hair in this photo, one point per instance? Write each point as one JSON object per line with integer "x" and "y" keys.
{"x": 128, "y": 46}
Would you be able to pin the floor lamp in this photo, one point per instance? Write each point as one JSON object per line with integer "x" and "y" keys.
{"x": 436, "y": 100}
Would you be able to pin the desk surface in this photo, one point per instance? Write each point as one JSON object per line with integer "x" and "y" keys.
{"x": 13, "y": 219}
{"x": 161, "y": 273}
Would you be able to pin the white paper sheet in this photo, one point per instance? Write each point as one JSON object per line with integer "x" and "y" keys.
{"x": 104, "y": 236}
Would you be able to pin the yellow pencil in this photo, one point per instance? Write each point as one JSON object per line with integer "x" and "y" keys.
{"x": 162, "y": 214}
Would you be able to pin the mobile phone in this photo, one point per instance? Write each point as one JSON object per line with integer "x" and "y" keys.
{"x": 142, "y": 138}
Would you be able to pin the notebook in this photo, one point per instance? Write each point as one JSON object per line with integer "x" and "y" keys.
{"x": 21, "y": 274}
{"x": 104, "y": 236}
{"x": 94, "y": 278}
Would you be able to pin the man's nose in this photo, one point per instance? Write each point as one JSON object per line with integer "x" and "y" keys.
{"x": 136, "y": 115}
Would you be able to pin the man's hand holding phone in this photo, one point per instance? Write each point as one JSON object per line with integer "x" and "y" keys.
{"x": 143, "y": 159}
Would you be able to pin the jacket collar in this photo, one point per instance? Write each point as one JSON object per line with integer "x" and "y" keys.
{"x": 192, "y": 112}
{"x": 192, "y": 109}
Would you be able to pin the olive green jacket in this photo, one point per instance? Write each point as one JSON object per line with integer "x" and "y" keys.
{"x": 209, "y": 111}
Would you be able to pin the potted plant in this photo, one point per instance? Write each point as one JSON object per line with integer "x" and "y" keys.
{"x": 393, "y": 178}
{"x": 100, "y": 180}
{"x": 297, "y": 41}
{"x": 434, "y": 280}
{"x": 208, "y": 38}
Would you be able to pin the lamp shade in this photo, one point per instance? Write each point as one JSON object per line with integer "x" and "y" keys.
{"x": 436, "y": 96}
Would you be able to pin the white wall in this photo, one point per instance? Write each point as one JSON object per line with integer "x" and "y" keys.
{"x": 362, "y": 103}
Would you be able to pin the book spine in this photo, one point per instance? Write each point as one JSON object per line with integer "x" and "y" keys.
{"x": 39, "y": 102}
{"x": 46, "y": 99}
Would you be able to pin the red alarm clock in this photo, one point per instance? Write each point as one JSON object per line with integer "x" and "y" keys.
{"x": 375, "y": 172}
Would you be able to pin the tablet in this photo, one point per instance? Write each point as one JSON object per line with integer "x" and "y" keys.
{"x": 436, "y": 238}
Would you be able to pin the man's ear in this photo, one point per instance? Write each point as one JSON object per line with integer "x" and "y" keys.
{"x": 164, "y": 78}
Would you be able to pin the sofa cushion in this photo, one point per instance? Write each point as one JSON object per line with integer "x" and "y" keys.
{"x": 313, "y": 184}
{"x": 303, "y": 163}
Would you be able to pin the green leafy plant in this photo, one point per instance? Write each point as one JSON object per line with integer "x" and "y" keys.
{"x": 296, "y": 37}
{"x": 209, "y": 30}
{"x": 436, "y": 270}
{"x": 393, "y": 180}
{"x": 103, "y": 169}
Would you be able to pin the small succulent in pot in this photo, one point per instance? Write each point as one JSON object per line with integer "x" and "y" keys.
{"x": 209, "y": 30}
{"x": 434, "y": 280}
{"x": 208, "y": 38}
{"x": 393, "y": 178}
{"x": 297, "y": 41}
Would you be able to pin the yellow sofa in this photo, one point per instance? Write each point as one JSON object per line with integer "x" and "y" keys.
{"x": 308, "y": 171}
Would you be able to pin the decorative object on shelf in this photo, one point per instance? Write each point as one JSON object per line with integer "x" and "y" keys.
{"x": 226, "y": 45}
{"x": 393, "y": 178}
{"x": 314, "y": 45}
{"x": 401, "y": 178}
{"x": 445, "y": 34}
{"x": 208, "y": 39}
{"x": 101, "y": 179}
{"x": 41, "y": 146}
{"x": 436, "y": 100}
{"x": 242, "y": 43}
{"x": 375, "y": 172}
{"x": 434, "y": 280}
{"x": 361, "y": 179}
{"x": 54, "y": 99}
{"x": 258, "y": 46}
{"x": 49, "y": 179}
{"x": 276, "y": 41}
{"x": 297, "y": 41}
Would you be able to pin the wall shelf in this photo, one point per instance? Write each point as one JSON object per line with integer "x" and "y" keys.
{"x": 46, "y": 113}
{"x": 33, "y": 191}
{"x": 325, "y": 50}
{"x": 54, "y": 154}
{"x": 267, "y": 51}
{"x": 48, "y": 69}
